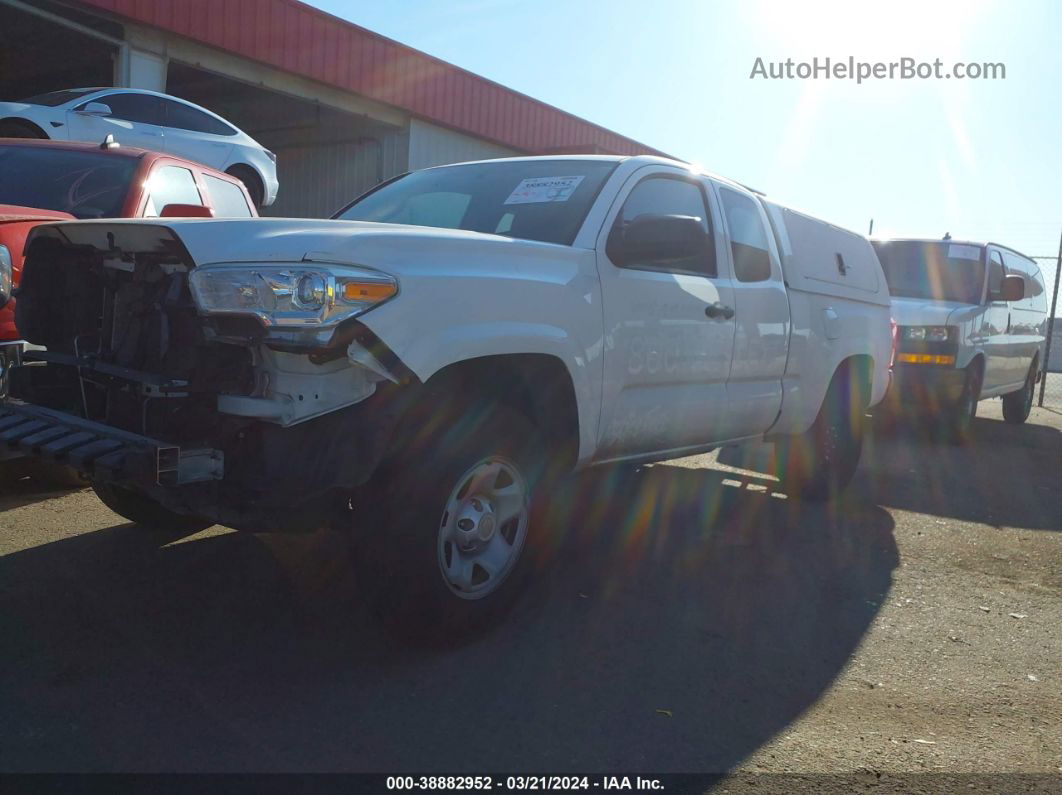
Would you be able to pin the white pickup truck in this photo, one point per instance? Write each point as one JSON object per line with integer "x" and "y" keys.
{"x": 454, "y": 339}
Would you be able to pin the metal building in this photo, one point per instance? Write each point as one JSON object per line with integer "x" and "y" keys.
{"x": 341, "y": 106}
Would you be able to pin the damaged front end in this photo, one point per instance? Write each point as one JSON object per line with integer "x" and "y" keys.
{"x": 247, "y": 395}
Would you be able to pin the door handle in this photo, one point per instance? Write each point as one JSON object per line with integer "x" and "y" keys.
{"x": 719, "y": 310}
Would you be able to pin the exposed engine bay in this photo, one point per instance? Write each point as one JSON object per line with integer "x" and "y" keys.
{"x": 125, "y": 350}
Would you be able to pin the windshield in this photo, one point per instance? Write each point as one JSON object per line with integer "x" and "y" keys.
{"x": 55, "y": 98}
{"x": 938, "y": 271}
{"x": 84, "y": 184}
{"x": 543, "y": 200}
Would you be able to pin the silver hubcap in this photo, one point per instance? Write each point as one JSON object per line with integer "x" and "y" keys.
{"x": 483, "y": 528}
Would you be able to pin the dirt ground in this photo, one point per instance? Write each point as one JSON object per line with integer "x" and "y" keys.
{"x": 685, "y": 619}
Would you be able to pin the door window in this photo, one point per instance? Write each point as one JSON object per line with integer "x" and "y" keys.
{"x": 141, "y": 108}
{"x": 170, "y": 185}
{"x": 1029, "y": 272}
{"x": 184, "y": 117}
{"x": 229, "y": 201}
{"x": 748, "y": 238}
{"x": 995, "y": 274}
{"x": 664, "y": 195}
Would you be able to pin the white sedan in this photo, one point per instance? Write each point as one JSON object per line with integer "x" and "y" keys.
{"x": 148, "y": 120}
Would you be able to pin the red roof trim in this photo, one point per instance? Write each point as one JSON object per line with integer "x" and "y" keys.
{"x": 298, "y": 38}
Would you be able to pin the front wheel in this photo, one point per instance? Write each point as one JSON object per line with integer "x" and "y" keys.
{"x": 142, "y": 510}
{"x": 442, "y": 531}
{"x": 960, "y": 421}
{"x": 1018, "y": 405}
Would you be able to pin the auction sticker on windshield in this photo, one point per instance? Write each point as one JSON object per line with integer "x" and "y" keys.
{"x": 958, "y": 251}
{"x": 544, "y": 189}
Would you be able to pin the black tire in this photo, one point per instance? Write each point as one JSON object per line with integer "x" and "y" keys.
{"x": 251, "y": 181}
{"x": 404, "y": 515}
{"x": 820, "y": 463}
{"x": 959, "y": 424}
{"x": 7, "y": 360}
{"x": 142, "y": 510}
{"x": 1018, "y": 405}
{"x": 15, "y": 128}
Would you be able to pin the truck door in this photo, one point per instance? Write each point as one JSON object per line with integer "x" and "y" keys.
{"x": 1024, "y": 342}
{"x": 668, "y": 324}
{"x": 761, "y": 345}
{"x": 995, "y": 327}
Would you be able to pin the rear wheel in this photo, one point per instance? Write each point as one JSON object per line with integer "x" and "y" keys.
{"x": 960, "y": 420}
{"x": 819, "y": 464}
{"x": 142, "y": 510}
{"x": 251, "y": 181}
{"x": 442, "y": 531}
{"x": 1018, "y": 405}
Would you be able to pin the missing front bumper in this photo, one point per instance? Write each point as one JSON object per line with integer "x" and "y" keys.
{"x": 102, "y": 451}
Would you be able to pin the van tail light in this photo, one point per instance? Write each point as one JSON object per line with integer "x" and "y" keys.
{"x": 895, "y": 341}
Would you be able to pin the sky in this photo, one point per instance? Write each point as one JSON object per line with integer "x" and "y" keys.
{"x": 981, "y": 159}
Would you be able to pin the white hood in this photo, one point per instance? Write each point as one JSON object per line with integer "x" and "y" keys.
{"x": 925, "y": 312}
{"x": 394, "y": 248}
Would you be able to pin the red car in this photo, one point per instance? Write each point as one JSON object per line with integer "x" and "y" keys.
{"x": 44, "y": 180}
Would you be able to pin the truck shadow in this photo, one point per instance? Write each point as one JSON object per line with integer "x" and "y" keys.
{"x": 1006, "y": 475}
{"x": 677, "y": 622}
{"x": 22, "y": 484}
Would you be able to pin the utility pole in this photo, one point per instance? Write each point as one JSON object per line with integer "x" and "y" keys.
{"x": 870, "y": 232}
{"x": 1051, "y": 323}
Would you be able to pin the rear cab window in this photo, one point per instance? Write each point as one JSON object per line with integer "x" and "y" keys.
{"x": 170, "y": 185}
{"x": 228, "y": 199}
{"x": 748, "y": 237}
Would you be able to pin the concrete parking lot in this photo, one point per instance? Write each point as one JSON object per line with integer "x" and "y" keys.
{"x": 686, "y": 618}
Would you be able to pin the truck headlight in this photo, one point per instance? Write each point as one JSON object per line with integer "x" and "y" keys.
{"x": 5, "y": 275}
{"x": 927, "y": 333}
{"x": 304, "y": 295}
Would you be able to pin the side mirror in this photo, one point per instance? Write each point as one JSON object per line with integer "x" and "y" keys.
{"x": 96, "y": 109}
{"x": 651, "y": 238}
{"x": 1012, "y": 289}
{"x": 186, "y": 211}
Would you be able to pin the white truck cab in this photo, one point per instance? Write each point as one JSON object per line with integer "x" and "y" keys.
{"x": 418, "y": 367}
{"x": 971, "y": 324}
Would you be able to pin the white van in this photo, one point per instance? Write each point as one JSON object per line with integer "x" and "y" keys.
{"x": 971, "y": 324}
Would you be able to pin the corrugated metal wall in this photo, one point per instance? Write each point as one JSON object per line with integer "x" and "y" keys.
{"x": 316, "y": 179}
{"x": 294, "y": 37}
{"x": 430, "y": 145}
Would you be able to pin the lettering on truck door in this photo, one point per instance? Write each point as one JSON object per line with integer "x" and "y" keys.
{"x": 669, "y": 321}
